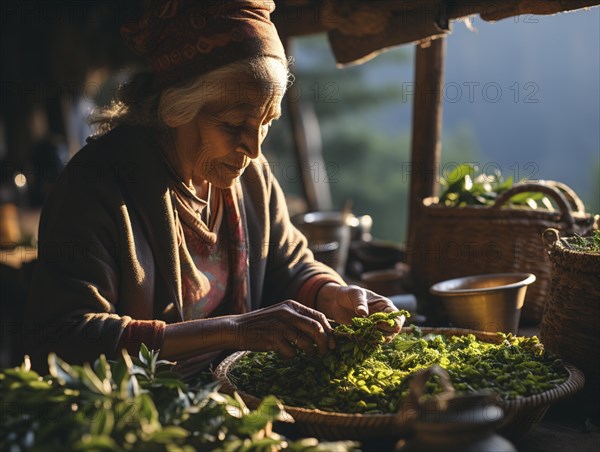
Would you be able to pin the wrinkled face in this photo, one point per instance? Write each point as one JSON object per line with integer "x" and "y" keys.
{"x": 226, "y": 135}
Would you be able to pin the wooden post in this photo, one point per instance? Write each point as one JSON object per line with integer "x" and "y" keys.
{"x": 426, "y": 128}
{"x": 308, "y": 149}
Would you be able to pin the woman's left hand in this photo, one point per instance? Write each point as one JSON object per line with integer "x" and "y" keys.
{"x": 342, "y": 303}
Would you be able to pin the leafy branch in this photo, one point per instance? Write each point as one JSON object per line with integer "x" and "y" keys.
{"x": 132, "y": 404}
{"x": 466, "y": 186}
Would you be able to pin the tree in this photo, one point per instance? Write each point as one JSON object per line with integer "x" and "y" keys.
{"x": 365, "y": 161}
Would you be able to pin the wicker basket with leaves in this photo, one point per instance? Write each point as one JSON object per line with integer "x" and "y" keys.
{"x": 500, "y": 235}
{"x": 572, "y": 316}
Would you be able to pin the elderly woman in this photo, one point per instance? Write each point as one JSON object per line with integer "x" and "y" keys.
{"x": 168, "y": 228}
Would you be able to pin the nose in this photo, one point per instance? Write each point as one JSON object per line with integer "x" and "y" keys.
{"x": 251, "y": 142}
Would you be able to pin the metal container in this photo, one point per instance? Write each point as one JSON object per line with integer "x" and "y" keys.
{"x": 490, "y": 302}
{"x": 328, "y": 235}
{"x": 386, "y": 282}
{"x": 360, "y": 227}
{"x": 450, "y": 422}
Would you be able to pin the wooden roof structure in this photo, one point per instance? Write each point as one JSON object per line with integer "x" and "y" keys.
{"x": 359, "y": 29}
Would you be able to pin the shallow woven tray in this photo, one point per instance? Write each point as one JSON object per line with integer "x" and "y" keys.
{"x": 521, "y": 414}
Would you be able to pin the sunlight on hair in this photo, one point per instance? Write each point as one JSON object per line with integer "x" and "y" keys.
{"x": 267, "y": 77}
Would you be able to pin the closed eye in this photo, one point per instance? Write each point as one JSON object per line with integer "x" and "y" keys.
{"x": 232, "y": 128}
{"x": 237, "y": 128}
{"x": 271, "y": 121}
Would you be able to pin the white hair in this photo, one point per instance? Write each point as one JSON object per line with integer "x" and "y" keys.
{"x": 179, "y": 105}
{"x": 139, "y": 103}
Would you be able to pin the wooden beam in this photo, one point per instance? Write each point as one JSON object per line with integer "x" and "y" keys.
{"x": 308, "y": 149}
{"x": 426, "y": 127}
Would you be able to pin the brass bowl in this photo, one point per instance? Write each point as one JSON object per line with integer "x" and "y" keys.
{"x": 490, "y": 302}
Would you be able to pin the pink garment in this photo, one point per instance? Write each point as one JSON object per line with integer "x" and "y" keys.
{"x": 212, "y": 260}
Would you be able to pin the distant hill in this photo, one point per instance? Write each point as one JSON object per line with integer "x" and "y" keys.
{"x": 549, "y": 113}
{"x": 521, "y": 96}
{"x": 528, "y": 88}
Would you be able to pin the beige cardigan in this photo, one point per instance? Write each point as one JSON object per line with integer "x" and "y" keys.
{"x": 108, "y": 253}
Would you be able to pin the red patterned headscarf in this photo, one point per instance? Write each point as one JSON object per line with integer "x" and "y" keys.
{"x": 187, "y": 38}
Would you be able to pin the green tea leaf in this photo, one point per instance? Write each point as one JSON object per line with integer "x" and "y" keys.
{"x": 523, "y": 198}
{"x": 61, "y": 370}
{"x": 103, "y": 423}
{"x": 91, "y": 380}
{"x": 460, "y": 173}
{"x": 168, "y": 434}
{"x": 503, "y": 186}
{"x": 95, "y": 443}
{"x": 102, "y": 368}
{"x": 126, "y": 406}
{"x": 120, "y": 377}
{"x": 147, "y": 410}
{"x": 144, "y": 355}
{"x": 356, "y": 378}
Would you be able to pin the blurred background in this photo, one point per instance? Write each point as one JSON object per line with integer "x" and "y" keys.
{"x": 520, "y": 95}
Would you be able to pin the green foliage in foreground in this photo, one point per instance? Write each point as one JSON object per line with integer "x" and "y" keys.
{"x": 134, "y": 404}
{"x": 377, "y": 383}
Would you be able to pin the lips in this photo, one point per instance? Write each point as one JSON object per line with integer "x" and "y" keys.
{"x": 234, "y": 168}
{"x": 235, "y": 164}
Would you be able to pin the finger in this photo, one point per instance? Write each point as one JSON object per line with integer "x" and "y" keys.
{"x": 330, "y": 338}
{"x": 285, "y": 349}
{"x": 395, "y": 326}
{"x": 312, "y": 323}
{"x": 354, "y": 298}
{"x": 299, "y": 340}
{"x": 387, "y": 328}
{"x": 390, "y": 331}
{"x": 331, "y": 342}
{"x": 306, "y": 344}
{"x": 290, "y": 333}
{"x": 378, "y": 303}
{"x": 318, "y": 316}
{"x": 398, "y": 322}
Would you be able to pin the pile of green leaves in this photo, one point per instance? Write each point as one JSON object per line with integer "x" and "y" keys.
{"x": 585, "y": 244}
{"x": 134, "y": 404}
{"x": 377, "y": 383}
{"x": 465, "y": 185}
{"x": 359, "y": 340}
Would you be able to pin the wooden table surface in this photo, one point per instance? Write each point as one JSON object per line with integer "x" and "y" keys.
{"x": 565, "y": 427}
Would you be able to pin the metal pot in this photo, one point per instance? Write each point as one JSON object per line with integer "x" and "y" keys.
{"x": 451, "y": 422}
{"x": 328, "y": 235}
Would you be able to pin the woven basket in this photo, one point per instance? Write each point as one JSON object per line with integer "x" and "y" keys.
{"x": 452, "y": 242}
{"x": 521, "y": 415}
{"x": 571, "y": 322}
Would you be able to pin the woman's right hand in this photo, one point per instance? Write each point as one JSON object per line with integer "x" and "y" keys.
{"x": 283, "y": 328}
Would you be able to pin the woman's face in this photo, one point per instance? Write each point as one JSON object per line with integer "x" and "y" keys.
{"x": 226, "y": 135}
